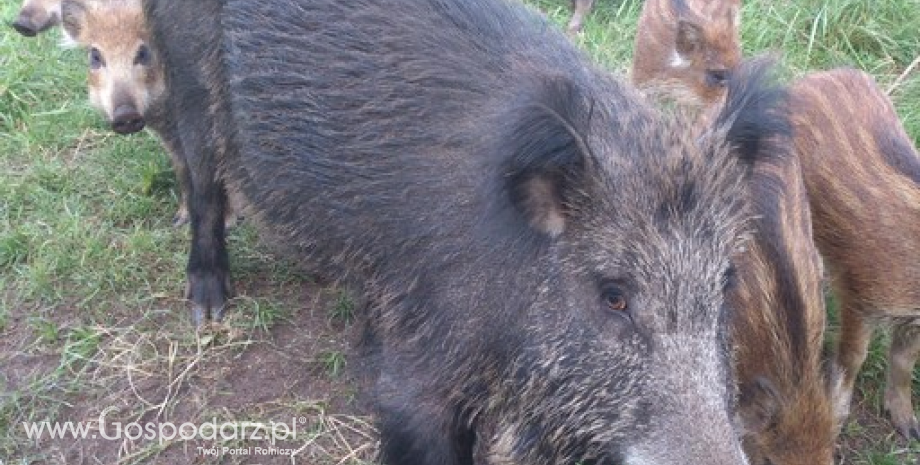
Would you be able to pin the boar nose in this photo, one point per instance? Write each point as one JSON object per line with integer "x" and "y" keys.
{"x": 25, "y": 27}
{"x": 717, "y": 77}
{"x": 127, "y": 120}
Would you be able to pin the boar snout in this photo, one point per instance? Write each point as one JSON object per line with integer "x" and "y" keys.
{"x": 126, "y": 120}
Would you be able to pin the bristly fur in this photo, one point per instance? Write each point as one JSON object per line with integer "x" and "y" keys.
{"x": 398, "y": 144}
{"x": 755, "y": 110}
{"x": 786, "y": 401}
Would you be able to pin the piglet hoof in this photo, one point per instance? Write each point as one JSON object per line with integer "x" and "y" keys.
{"x": 231, "y": 220}
{"x": 910, "y": 430}
{"x": 25, "y": 28}
{"x": 906, "y": 425}
{"x": 208, "y": 293}
{"x": 180, "y": 218}
{"x": 179, "y": 221}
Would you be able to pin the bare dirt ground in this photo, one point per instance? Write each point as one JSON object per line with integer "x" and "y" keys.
{"x": 294, "y": 377}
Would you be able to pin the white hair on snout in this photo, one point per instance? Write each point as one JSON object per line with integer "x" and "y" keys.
{"x": 698, "y": 428}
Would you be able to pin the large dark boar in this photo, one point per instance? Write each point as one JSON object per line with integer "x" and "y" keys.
{"x": 785, "y": 397}
{"x": 863, "y": 177}
{"x": 542, "y": 253}
{"x": 36, "y": 16}
{"x": 688, "y": 46}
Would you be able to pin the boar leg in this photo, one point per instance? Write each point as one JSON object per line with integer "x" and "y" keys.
{"x": 905, "y": 346}
{"x": 855, "y": 334}
{"x": 208, "y": 267}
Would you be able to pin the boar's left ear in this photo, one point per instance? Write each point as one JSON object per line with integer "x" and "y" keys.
{"x": 73, "y": 17}
{"x": 754, "y": 119}
{"x": 758, "y": 405}
{"x": 549, "y": 153}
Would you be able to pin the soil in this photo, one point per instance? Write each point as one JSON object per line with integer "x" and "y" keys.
{"x": 260, "y": 377}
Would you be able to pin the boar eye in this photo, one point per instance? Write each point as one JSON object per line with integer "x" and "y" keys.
{"x": 614, "y": 300}
{"x": 143, "y": 56}
{"x": 95, "y": 58}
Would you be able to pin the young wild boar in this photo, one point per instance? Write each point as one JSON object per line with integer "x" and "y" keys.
{"x": 778, "y": 328}
{"x": 862, "y": 173}
{"x": 690, "y": 45}
{"x": 37, "y": 16}
{"x": 580, "y": 9}
{"x": 543, "y": 254}
{"x": 126, "y": 80}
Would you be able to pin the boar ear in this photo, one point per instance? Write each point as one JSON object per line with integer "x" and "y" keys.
{"x": 758, "y": 405}
{"x": 689, "y": 37}
{"x": 753, "y": 119}
{"x": 549, "y": 153}
{"x": 73, "y": 16}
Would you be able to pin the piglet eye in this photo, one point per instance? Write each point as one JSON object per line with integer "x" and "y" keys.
{"x": 95, "y": 58}
{"x": 143, "y": 56}
{"x": 615, "y": 300}
{"x": 717, "y": 77}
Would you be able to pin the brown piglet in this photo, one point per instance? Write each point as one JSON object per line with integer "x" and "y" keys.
{"x": 692, "y": 45}
{"x": 786, "y": 396}
{"x": 862, "y": 173}
{"x": 126, "y": 78}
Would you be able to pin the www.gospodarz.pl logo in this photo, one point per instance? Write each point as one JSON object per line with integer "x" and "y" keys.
{"x": 163, "y": 432}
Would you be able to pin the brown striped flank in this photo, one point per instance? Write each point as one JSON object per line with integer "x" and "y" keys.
{"x": 862, "y": 171}
{"x": 785, "y": 399}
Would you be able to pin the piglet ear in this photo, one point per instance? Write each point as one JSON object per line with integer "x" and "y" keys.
{"x": 758, "y": 406}
{"x": 73, "y": 17}
{"x": 689, "y": 37}
{"x": 550, "y": 154}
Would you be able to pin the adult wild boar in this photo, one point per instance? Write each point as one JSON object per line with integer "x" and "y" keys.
{"x": 543, "y": 253}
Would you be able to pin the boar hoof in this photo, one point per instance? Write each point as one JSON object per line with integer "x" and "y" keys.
{"x": 208, "y": 293}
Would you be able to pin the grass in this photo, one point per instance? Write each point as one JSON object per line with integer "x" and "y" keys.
{"x": 91, "y": 269}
